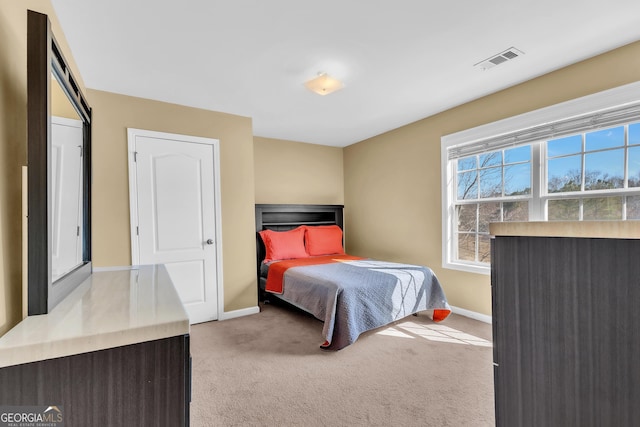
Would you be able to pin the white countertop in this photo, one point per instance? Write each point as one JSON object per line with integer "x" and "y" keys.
{"x": 109, "y": 309}
{"x": 590, "y": 229}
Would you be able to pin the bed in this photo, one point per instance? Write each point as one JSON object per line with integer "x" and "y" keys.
{"x": 301, "y": 260}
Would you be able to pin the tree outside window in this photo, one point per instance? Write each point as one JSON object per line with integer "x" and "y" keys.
{"x": 589, "y": 176}
{"x": 490, "y": 188}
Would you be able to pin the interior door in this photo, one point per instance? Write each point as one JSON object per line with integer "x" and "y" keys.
{"x": 66, "y": 195}
{"x": 176, "y": 215}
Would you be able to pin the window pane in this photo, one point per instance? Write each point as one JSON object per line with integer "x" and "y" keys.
{"x": 484, "y": 248}
{"x": 634, "y": 166}
{"x": 515, "y": 211}
{"x": 633, "y": 207}
{"x": 488, "y": 212}
{"x": 467, "y": 217}
{"x": 604, "y": 170}
{"x": 491, "y": 159}
{"x": 517, "y": 179}
{"x": 466, "y": 247}
{"x": 467, "y": 163}
{"x": 491, "y": 182}
{"x": 500, "y": 186}
{"x": 468, "y": 185}
{"x": 606, "y": 138}
{"x": 518, "y": 154}
{"x": 634, "y": 134}
{"x": 563, "y": 210}
{"x": 602, "y": 208}
{"x": 565, "y": 174}
{"x": 568, "y": 145}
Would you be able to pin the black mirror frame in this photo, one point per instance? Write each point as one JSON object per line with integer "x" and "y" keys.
{"x": 44, "y": 57}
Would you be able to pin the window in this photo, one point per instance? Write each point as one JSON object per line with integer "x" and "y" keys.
{"x": 490, "y": 187}
{"x": 574, "y": 161}
{"x": 594, "y": 175}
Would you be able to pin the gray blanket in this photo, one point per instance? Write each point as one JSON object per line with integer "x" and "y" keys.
{"x": 356, "y": 296}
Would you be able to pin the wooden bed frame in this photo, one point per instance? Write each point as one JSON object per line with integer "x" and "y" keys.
{"x": 360, "y": 297}
{"x": 287, "y": 217}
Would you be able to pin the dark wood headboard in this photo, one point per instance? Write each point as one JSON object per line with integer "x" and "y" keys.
{"x": 287, "y": 217}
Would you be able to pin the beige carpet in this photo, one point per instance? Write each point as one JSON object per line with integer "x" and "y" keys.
{"x": 268, "y": 370}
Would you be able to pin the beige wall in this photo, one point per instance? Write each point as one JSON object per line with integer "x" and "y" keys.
{"x": 60, "y": 104}
{"x": 393, "y": 185}
{"x": 112, "y": 115}
{"x": 13, "y": 144}
{"x": 294, "y": 172}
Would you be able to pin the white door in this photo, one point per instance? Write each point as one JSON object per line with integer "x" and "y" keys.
{"x": 175, "y": 215}
{"x": 66, "y": 195}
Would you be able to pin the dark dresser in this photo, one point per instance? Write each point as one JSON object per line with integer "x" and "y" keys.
{"x": 566, "y": 323}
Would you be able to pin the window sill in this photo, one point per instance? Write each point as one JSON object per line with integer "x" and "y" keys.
{"x": 469, "y": 268}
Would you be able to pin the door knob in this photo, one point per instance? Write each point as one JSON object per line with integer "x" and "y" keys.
{"x": 209, "y": 242}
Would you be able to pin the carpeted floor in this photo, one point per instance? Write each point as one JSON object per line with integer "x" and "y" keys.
{"x": 268, "y": 370}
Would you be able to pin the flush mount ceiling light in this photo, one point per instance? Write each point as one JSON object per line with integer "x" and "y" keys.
{"x": 324, "y": 84}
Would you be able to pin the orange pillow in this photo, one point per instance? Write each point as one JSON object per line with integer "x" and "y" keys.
{"x": 284, "y": 244}
{"x": 324, "y": 240}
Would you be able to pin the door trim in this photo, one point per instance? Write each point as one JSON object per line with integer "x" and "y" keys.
{"x": 132, "y": 133}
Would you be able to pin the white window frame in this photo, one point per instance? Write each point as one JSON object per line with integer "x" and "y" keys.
{"x": 608, "y": 99}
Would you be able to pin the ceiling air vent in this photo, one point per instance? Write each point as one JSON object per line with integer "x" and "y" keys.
{"x": 500, "y": 58}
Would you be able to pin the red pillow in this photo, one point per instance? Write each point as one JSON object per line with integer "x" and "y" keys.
{"x": 324, "y": 240}
{"x": 284, "y": 244}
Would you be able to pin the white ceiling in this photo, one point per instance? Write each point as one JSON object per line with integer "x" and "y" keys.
{"x": 400, "y": 60}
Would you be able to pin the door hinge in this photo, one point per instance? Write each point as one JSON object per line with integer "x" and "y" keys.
{"x": 135, "y": 156}
{"x": 137, "y": 230}
{"x": 78, "y": 232}
{"x": 81, "y": 149}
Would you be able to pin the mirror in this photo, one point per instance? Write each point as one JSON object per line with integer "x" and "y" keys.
{"x": 66, "y": 183}
{"x": 59, "y": 170}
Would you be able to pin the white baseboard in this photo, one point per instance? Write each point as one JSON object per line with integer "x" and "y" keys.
{"x": 472, "y": 314}
{"x": 239, "y": 313}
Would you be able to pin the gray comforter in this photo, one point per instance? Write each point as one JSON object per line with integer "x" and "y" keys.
{"x": 356, "y": 296}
